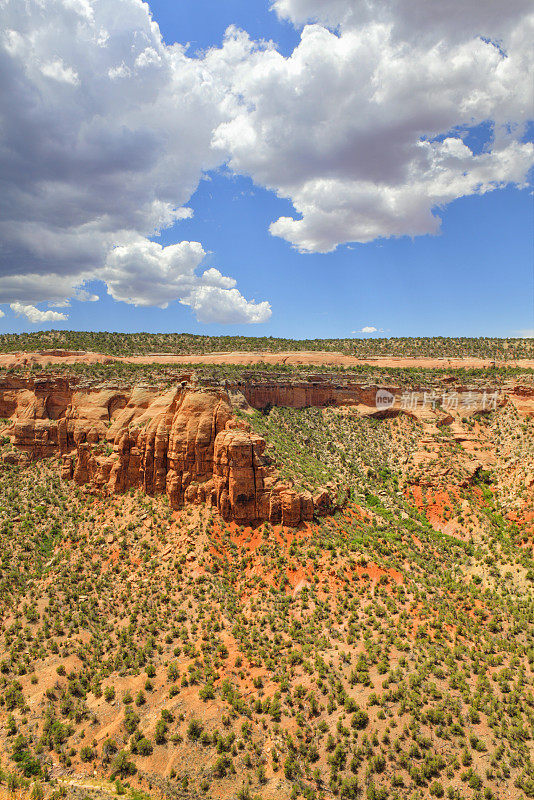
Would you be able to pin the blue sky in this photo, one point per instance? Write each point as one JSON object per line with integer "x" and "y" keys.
{"x": 474, "y": 278}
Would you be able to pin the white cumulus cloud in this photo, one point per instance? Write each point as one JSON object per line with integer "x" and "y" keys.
{"x": 105, "y": 132}
{"x": 35, "y": 315}
{"x": 60, "y": 72}
{"x": 214, "y": 304}
{"x": 411, "y": 19}
{"x": 146, "y": 274}
{"x": 365, "y": 127}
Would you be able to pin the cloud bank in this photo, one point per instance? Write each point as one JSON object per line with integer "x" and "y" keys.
{"x": 366, "y": 128}
{"x": 105, "y": 134}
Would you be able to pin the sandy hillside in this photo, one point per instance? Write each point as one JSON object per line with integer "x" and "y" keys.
{"x": 314, "y": 358}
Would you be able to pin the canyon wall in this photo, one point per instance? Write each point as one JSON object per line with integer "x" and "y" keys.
{"x": 317, "y": 391}
{"x": 183, "y": 442}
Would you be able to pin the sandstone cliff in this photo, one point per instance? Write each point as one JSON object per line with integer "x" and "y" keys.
{"x": 183, "y": 443}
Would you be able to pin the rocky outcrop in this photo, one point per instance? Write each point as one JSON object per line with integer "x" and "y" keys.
{"x": 523, "y": 399}
{"x": 161, "y": 443}
{"x": 246, "y": 486}
{"x": 56, "y": 414}
{"x": 317, "y": 391}
{"x": 194, "y": 452}
{"x": 183, "y": 442}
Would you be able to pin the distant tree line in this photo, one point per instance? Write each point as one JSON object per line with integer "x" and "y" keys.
{"x": 119, "y": 344}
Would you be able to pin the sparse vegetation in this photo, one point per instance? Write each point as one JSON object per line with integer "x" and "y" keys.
{"x": 381, "y": 652}
{"x": 120, "y": 344}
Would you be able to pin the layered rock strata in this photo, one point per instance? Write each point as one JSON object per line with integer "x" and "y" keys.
{"x": 183, "y": 443}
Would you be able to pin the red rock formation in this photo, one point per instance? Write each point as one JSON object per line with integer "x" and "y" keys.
{"x": 322, "y": 502}
{"x": 246, "y": 486}
{"x": 239, "y": 473}
{"x": 302, "y": 394}
{"x": 194, "y": 428}
{"x": 182, "y": 442}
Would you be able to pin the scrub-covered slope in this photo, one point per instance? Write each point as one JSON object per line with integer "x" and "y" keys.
{"x": 383, "y": 650}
